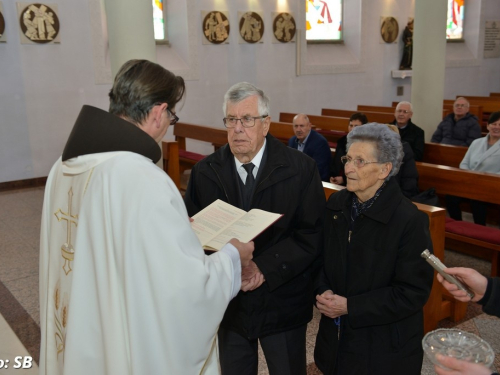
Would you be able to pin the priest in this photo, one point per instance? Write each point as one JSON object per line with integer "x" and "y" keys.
{"x": 125, "y": 287}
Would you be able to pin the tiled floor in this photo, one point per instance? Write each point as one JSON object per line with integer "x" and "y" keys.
{"x": 20, "y": 213}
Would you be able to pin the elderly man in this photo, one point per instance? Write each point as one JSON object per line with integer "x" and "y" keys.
{"x": 459, "y": 128}
{"x": 255, "y": 170}
{"x": 125, "y": 287}
{"x": 311, "y": 143}
{"x": 408, "y": 131}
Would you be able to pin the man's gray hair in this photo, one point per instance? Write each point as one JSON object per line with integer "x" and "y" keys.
{"x": 242, "y": 91}
{"x": 388, "y": 146}
{"x": 408, "y": 103}
{"x": 461, "y": 97}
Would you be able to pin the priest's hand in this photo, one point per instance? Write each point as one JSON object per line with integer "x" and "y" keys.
{"x": 245, "y": 250}
{"x": 459, "y": 367}
{"x": 473, "y": 279}
{"x": 331, "y": 305}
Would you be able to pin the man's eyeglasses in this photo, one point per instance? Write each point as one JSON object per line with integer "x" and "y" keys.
{"x": 402, "y": 111}
{"x": 358, "y": 163}
{"x": 246, "y": 121}
{"x": 460, "y": 105}
{"x": 173, "y": 117}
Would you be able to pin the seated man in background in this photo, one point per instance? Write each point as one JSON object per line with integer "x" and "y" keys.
{"x": 459, "y": 128}
{"x": 408, "y": 131}
{"x": 312, "y": 144}
{"x": 337, "y": 168}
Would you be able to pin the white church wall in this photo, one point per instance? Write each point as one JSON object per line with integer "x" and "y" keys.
{"x": 42, "y": 87}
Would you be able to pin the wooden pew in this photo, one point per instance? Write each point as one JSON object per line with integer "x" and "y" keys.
{"x": 473, "y": 185}
{"x": 391, "y": 110}
{"x": 183, "y": 131}
{"x": 384, "y": 118}
{"x": 170, "y": 151}
{"x": 441, "y": 304}
{"x": 320, "y": 122}
{"x": 495, "y": 94}
{"x": 282, "y": 131}
{"x": 452, "y": 156}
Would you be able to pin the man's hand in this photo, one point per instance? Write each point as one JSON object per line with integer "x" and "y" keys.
{"x": 459, "y": 367}
{"x": 251, "y": 277}
{"x": 253, "y": 283}
{"x": 331, "y": 305}
{"x": 245, "y": 250}
{"x": 339, "y": 180}
{"x": 473, "y": 279}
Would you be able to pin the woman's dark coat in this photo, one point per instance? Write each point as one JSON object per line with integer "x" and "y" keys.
{"x": 386, "y": 283}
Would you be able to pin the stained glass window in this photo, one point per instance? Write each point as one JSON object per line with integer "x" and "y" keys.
{"x": 455, "y": 19}
{"x": 323, "y": 20}
{"x": 158, "y": 20}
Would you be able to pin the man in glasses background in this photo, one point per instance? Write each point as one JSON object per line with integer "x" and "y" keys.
{"x": 408, "y": 131}
{"x": 459, "y": 128}
{"x": 255, "y": 170}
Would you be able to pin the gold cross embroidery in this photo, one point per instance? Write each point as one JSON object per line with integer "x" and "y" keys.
{"x": 67, "y": 250}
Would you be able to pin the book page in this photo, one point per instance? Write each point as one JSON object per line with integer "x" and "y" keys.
{"x": 245, "y": 229}
{"x": 213, "y": 219}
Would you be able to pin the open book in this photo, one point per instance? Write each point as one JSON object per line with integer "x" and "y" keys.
{"x": 216, "y": 224}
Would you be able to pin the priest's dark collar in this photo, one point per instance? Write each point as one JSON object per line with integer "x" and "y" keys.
{"x": 97, "y": 131}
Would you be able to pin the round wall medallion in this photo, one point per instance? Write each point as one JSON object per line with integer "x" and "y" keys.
{"x": 2, "y": 24}
{"x": 389, "y": 29}
{"x": 39, "y": 23}
{"x": 284, "y": 27}
{"x": 251, "y": 27}
{"x": 216, "y": 27}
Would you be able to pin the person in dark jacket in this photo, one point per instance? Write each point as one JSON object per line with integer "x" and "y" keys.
{"x": 337, "y": 168}
{"x": 277, "y": 298}
{"x": 407, "y": 176}
{"x": 374, "y": 284}
{"x": 312, "y": 144}
{"x": 486, "y": 293}
{"x": 459, "y": 128}
{"x": 408, "y": 131}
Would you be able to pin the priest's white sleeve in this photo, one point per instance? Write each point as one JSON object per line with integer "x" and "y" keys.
{"x": 234, "y": 254}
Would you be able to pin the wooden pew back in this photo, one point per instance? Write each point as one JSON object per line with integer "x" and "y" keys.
{"x": 384, "y": 118}
{"x": 170, "y": 151}
{"x": 215, "y": 136}
{"x": 488, "y": 106}
{"x": 320, "y": 122}
{"x": 438, "y": 306}
{"x": 468, "y": 184}
{"x": 451, "y": 156}
{"x": 282, "y": 131}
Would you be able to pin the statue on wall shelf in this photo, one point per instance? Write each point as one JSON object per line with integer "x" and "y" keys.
{"x": 408, "y": 46}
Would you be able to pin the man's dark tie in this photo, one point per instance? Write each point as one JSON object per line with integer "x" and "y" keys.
{"x": 249, "y": 185}
{"x": 250, "y": 181}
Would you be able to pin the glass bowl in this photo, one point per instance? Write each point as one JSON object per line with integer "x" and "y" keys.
{"x": 458, "y": 344}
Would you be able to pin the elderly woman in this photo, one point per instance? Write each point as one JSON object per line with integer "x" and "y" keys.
{"x": 483, "y": 155}
{"x": 373, "y": 284}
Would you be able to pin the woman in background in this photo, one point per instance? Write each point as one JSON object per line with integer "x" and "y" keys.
{"x": 483, "y": 155}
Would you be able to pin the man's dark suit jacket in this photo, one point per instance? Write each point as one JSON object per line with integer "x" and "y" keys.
{"x": 415, "y": 137}
{"x": 317, "y": 148}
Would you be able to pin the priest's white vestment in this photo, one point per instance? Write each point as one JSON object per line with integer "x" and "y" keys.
{"x": 125, "y": 287}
